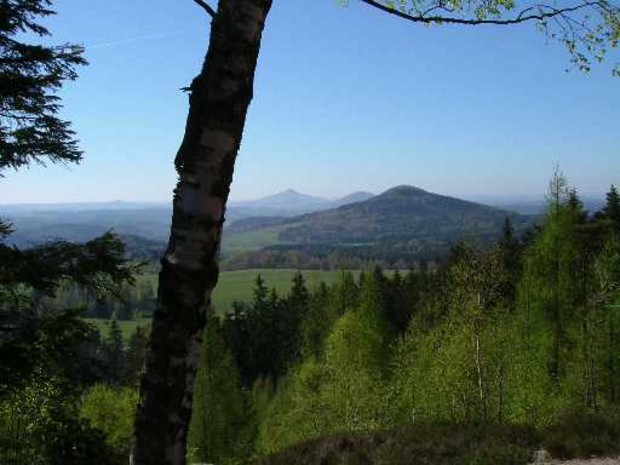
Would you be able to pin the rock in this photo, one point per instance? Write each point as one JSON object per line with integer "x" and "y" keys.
{"x": 542, "y": 457}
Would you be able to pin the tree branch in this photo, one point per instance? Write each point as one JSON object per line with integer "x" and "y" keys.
{"x": 204, "y": 5}
{"x": 521, "y": 18}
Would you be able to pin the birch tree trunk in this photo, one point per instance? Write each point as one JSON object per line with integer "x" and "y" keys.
{"x": 219, "y": 100}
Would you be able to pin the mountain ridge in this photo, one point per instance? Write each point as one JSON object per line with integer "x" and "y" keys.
{"x": 291, "y": 199}
{"x": 82, "y": 221}
{"x": 404, "y": 217}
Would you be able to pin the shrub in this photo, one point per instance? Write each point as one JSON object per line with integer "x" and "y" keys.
{"x": 584, "y": 434}
{"x": 112, "y": 411}
{"x": 39, "y": 424}
{"x": 423, "y": 444}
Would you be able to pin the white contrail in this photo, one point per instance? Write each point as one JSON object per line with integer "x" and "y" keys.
{"x": 131, "y": 40}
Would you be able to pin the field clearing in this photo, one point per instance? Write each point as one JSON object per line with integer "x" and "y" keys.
{"x": 236, "y": 285}
{"x": 252, "y": 240}
{"x": 127, "y": 327}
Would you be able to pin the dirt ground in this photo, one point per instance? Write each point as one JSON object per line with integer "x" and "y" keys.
{"x": 542, "y": 457}
{"x": 615, "y": 461}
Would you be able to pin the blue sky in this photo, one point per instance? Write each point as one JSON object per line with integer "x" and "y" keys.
{"x": 346, "y": 99}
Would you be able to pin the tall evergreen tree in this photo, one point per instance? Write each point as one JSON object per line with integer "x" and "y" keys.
{"x": 554, "y": 286}
{"x": 575, "y": 207}
{"x": 299, "y": 296}
{"x": 115, "y": 352}
{"x": 298, "y": 307}
{"x": 511, "y": 250}
{"x": 260, "y": 331}
{"x": 237, "y": 333}
{"x": 315, "y": 327}
{"x": 264, "y": 351}
{"x": 260, "y": 295}
{"x": 274, "y": 298}
{"x": 607, "y": 275}
{"x": 398, "y": 302}
{"x": 97, "y": 267}
{"x": 30, "y": 76}
{"x": 136, "y": 355}
{"x": 611, "y": 211}
{"x": 344, "y": 295}
{"x": 219, "y": 427}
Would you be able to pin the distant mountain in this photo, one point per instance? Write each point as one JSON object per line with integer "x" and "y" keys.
{"x": 252, "y": 223}
{"x": 288, "y": 200}
{"x": 351, "y": 198}
{"x": 403, "y": 221}
{"x": 37, "y": 223}
{"x": 287, "y": 204}
{"x": 401, "y": 213}
{"x": 403, "y": 218}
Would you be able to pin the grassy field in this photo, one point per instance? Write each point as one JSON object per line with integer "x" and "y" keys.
{"x": 127, "y": 327}
{"x": 236, "y": 285}
{"x": 252, "y": 240}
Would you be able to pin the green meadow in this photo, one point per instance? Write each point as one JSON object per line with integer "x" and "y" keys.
{"x": 235, "y": 285}
{"x": 238, "y": 285}
{"x": 251, "y": 240}
{"x": 128, "y": 327}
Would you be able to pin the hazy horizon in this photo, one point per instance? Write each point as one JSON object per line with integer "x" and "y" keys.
{"x": 472, "y": 197}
